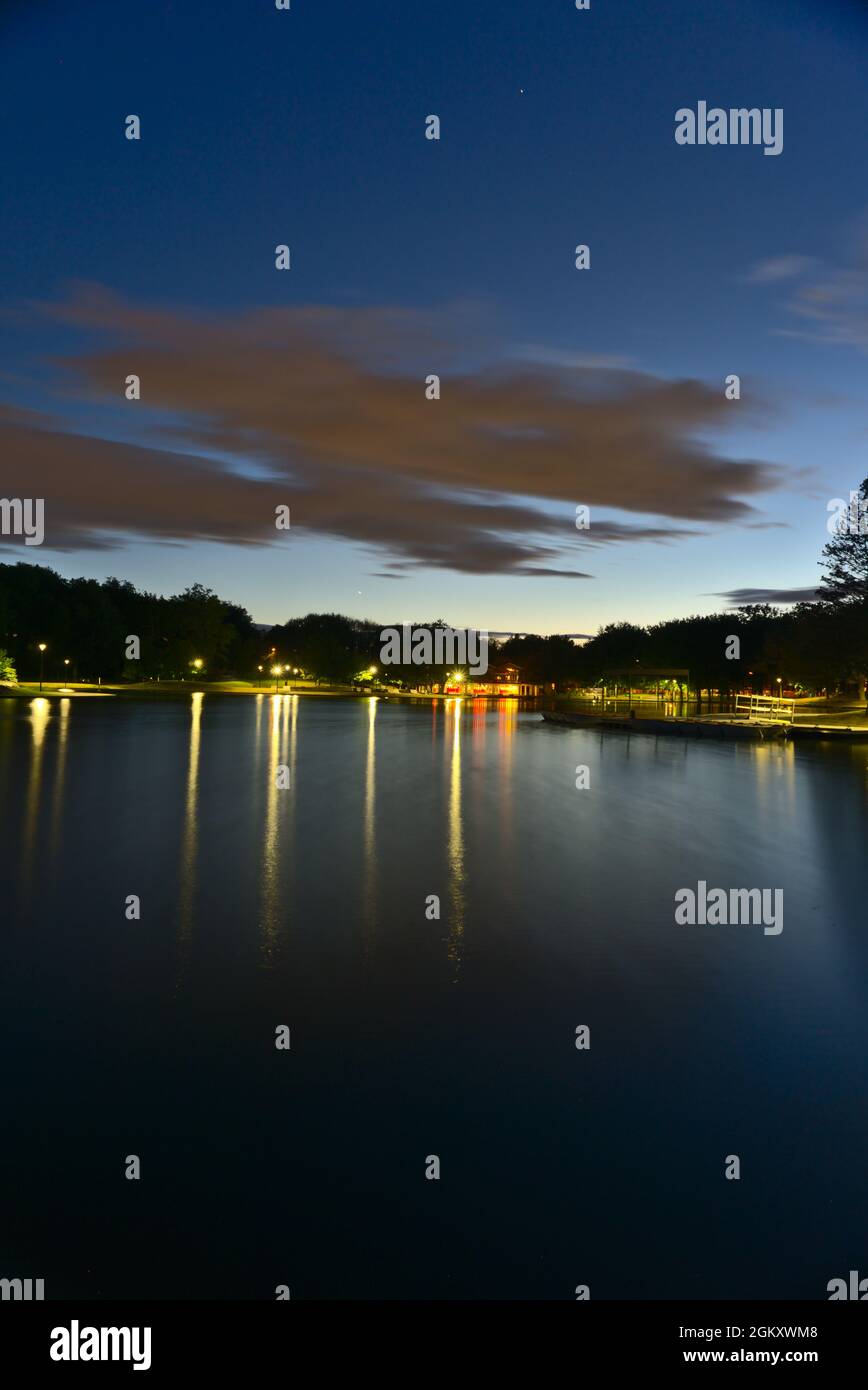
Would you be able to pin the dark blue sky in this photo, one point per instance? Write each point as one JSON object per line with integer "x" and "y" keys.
{"x": 307, "y": 127}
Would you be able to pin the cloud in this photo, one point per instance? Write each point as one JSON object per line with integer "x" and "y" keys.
{"x": 835, "y": 308}
{"x": 832, "y": 303}
{"x": 778, "y": 268}
{"x": 559, "y": 357}
{"x": 324, "y": 410}
{"x": 738, "y": 597}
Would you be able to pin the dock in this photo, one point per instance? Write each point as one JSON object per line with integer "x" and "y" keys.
{"x": 711, "y": 726}
{"x": 671, "y": 727}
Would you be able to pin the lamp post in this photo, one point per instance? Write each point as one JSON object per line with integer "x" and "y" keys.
{"x": 41, "y": 663}
{"x": 277, "y": 672}
{"x": 66, "y": 664}
{"x": 259, "y": 682}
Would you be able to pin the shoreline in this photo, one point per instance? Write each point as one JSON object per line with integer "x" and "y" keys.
{"x": 170, "y": 691}
{"x": 836, "y": 720}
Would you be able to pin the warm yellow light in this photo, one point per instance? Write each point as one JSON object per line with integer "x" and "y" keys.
{"x": 372, "y": 670}
{"x": 277, "y": 670}
{"x": 42, "y": 646}
{"x": 457, "y": 676}
{"x": 198, "y": 663}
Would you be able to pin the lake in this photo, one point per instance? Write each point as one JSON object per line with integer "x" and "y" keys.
{"x": 309, "y": 906}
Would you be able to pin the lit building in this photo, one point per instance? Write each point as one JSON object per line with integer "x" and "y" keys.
{"x": 502, "y": 682}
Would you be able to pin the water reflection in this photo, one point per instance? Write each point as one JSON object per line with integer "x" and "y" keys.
{"x": 60, "y": 773}
{"x": 40, "y": 712}
{"x": 507, "y": 725}
{"x": 279, "y": 802}
{"x": 455, "y": 842}
{"x": 369, "y": 889}
{"x": 190, "y": 833}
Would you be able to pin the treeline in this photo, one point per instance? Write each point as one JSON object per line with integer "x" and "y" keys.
{"x": 89, "y": 623}
{"x": 819, "y": 646}
{"x": 816, "y": 646}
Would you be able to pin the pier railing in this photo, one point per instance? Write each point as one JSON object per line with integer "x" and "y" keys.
{"x": 764, "y": 709}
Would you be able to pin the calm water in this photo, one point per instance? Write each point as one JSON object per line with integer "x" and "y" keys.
{"x": 413, "y": 1037}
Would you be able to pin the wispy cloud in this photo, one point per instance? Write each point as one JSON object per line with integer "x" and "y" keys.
{"x": 778, "y": 268}
{"x": 832, "y": 299}
{"x": 738, "y": 597}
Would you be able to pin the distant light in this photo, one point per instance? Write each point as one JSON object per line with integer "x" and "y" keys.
{"x": 197, "y": 662}
{"x": 42, "y": 646}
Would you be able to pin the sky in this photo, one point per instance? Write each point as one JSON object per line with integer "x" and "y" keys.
{"x": 411, "y": 257}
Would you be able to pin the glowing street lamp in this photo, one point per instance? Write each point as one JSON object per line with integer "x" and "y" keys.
{"x": 277, "y": 672}
{"x": 42, "y": 646}
{"x": 259, "y": 669}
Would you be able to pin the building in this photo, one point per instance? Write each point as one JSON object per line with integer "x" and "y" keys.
{"x": 500, "y": 682}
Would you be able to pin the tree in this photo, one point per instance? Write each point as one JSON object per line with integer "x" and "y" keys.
{"x": 616, "y": 646}
{"x": 8, "y": 674}
{"x": 845, "y": 556}
{"x": 845, "y": 581}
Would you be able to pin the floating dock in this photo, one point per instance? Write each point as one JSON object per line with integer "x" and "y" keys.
{"x": 715, "y": 726}
{"x": 679, "y": 728}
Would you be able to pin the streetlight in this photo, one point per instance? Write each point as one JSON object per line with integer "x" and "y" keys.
{"x": 259, "y": 669}
{"x": 277, "y": 672}
{"x": 41, "y": 663}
